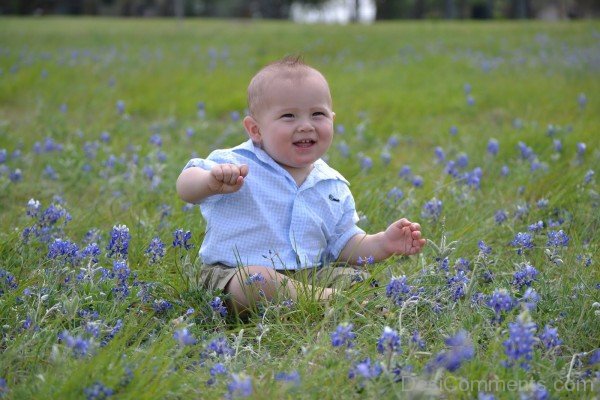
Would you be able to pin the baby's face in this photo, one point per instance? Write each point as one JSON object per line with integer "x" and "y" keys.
{"x": 296, "y": 121}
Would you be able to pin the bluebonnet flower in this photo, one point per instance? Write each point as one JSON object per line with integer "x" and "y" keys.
{"x": 589, "y": 176}
{"x": 451, "y": 169}
{"x": 542, "y": 203}
{"x": 91, "y": 251}
{"x": 534, "y": 391}
{"x": 344, "y": 149}
{"x": 218, "y": 306}
{"x": 458, "y": 285}
{"x": 120, "y": 106}
{"x": 417, "y": 181}
{"x": 519, "y": 345}
{"x": 239, "y": 386}
{"x": 549, "y": 337}
{"x": 493, "y": 147}
{"x": 7, "y": 280}
{"x": 417, "y": 340}
{"x": 119, "y": 241}
{"x": 50, "y": 173}
{"x": 340, "y": 129}
{"x": 184, "y": 337}
{"x": 257, "y": 277}
{"x": 439, "y": 153}
{"x": 201, "y": 107}
{"x": 161, "y": 306}
{"x": 220, "y": 347}
{"x": 470, "y": 100}
{"x": 365, "y": 370}
{"x": 462, "y": 161}
{"x": 3, "y": 156}
{"x": 366, "y": 163}
{"x": 462, "y": 264}
{"x": 525, "y": 275}
{"x": 398, "y": 290}
{"x": 460, "y": 349}
{"x": 485, "y": 249}
{"x": 365, "y": 261}
{"x": 500, "y": 216}
{"x": 582, "y": 100}
{"x": 16, "y": 175}
{"x": 218, "y": 369}
{"x": 504, "y": 171}
{"x": 386, "y": 157}
{"x": 522, "y": 241}
{"x": 111, "y": 335}
{"x": 526, "y": 151}
{"x": 156, "y": 250}
{"x": 292, "y": 377}
{"x": 343, "y": 336}
{"x": 530, "y": 299}
{"x": 581, "y": 147}
{"x": 3, "y": 388}
{"x": 64, "y": 108}
{"x": 499, "y": 301}
{"x": 79, "y": 346}
{"x": 405, "y": 172}
{"x": 557, "y": 239}
{"x": 156, "y": 140}
{"x": 557, "y": 145}
{"x": 98, "y": 391}
{"x": 389, "y": 341}
{"x": 538, "y": 226}
{"x": 235, "y": 116}
{"x": 585, "y": 259}
{"x": 121, "y": 271}
{"x": 432, "y": 209}
{"x": 467, "y": 88}
{"x": 63, "y": 251}
{"x": 594, "y": 358}
{"x": 443, "y": 265}
{"x": 485, "y": 396}
{"x": 180, "y": 239}
{"x": 395, "y": 194}
{"x": 33, "y": 208}
{"x": 393, "y": 141}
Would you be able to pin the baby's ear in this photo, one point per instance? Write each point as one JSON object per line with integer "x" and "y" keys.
{"x": 252, "y": 128}
{"x": 333, "y": 115}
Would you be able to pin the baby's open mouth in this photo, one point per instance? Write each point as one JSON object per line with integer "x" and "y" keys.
{"x": 304, "y": 143}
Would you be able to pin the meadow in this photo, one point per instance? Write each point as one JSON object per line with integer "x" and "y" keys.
{"x": 485, "y": 133}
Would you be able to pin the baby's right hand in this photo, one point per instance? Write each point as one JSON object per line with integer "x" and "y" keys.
{"x": 227, "y": 178}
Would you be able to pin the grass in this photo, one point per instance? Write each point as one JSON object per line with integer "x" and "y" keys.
{"x": 60, "y": 82}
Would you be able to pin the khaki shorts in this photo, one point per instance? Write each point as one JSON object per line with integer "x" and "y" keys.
{"x": 215, "y": 277}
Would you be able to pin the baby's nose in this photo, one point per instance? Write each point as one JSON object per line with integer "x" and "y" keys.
{"x": 305, "y": 126}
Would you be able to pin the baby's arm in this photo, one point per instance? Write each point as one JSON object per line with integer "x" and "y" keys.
{"x": 195, "y": 184}
{"x": 402, "y": 237}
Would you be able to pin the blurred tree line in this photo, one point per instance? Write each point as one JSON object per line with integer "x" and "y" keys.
{"x": 280, "y": 9}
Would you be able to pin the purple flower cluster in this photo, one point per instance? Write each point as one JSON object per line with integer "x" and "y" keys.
{"x": 98, "y": 391}
{"x": 389, "y": 341}
{"x": 398, "y": 290}
{"x": 549, "y": 337}
{"x": 522, "y": 241}
{"x": 181, "y": 238}
{"x": 521, "y": 340}
{"x": 460, "y": 349}
{"x": 557, "y": 239}
{"x": 239, "y": 386}
{"x": 184, "y": 337}
{"x": 119, "y": 242}
{"x": 365, "y": 369}
{"x": 499, "y": 301}
{"x": 218, "y": 306}
{"x": 525, "y": 276}
{"x": 220, "y": 347}
{"x": 80, "y": 346}
{"x": 343, "y": 336}
{"x": 432, "y": 209}
{"x": 156, "y": 250}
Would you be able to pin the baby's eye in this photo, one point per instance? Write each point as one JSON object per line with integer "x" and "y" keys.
{"x": 318, "y": 114}
{"x": 287, "y": 116}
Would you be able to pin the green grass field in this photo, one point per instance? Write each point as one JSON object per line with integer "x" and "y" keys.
{"x": 99, "y": 116}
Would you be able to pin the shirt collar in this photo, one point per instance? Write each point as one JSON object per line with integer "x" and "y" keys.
{"x": 320, "y": 172}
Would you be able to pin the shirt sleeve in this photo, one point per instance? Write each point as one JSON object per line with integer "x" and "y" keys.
{"x": 346, "y": 227}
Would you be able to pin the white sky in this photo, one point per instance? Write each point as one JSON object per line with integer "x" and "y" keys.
{"x": 333, "y": 12}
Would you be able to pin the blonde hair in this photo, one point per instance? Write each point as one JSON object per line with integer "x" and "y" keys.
{"x": 289, "y": 67}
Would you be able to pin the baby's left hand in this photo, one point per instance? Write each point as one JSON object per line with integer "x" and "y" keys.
{"x": 403, "y": 237}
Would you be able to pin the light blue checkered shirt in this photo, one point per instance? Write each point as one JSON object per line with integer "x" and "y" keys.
{"x": 271, "y": 221}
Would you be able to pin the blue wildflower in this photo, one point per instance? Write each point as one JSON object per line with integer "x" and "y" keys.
{"x": 181, "y": 238}
{"x": 365, "y": 163}
{"x": 432, "y": 209}
{"x": 33, "y": 208}
{"x": 417, "y": 340}
{"x": 119, "y": 241}
{"x": 398, "y": 290}
{"x": 365, "y": 261}
{"x": 3, "y": 388}
{"x": 63, "y": 251}
{"x": 519, "y": 345}
{"x": 343, "y": 336}
{"x": 458, "y": 285}
{"x": 534, "y": 391}
{"x": 499, "y": 301}
{"x": 201, "y": 107}
{"x": 500, "y": 216}
{"x": 395, "y": 194}
{"x": 255, "y": 278}
{"x": 493, "y": 147}
{"x": 292, "y": 377}
{"x": 589, "y": 176}
{"x": 582, "y": 100}
{"x": 365, "y": 370}
{"x": 504, "y": 171}
{"x": 91, "y": 251}
{"x": 460, "y": 349}
{"x": 239, "y": 386}
{"x": 79, "y": 346}
{"x": 557, "y": 239}
{"x": 549, "y": 337}
{"x": 218, "y": 306}
{"x": 405, "y": 172}
{"x": 389, "y": 341}
{"x": 184, "y": 337}
{"x": 522, "y": 241}
{"x": 525, "y": 275}
{"x": 161, "y": 306}
{"x": 439, "y": 153}
{"x": 111, "y": 335}
{"x": 98, "y": 391}
{"x": 538, "y": 226}
{"x": 485, "y": 249}
{"x": 220, "y": 347}
{"x": 526, "y": 151}
{"x": 581, "y": 147}
{"x": 156, "y": 250}
{"x": 417, "y": 181}
{"x": 530, "y": 299}
{"x": 218, "y": 369}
